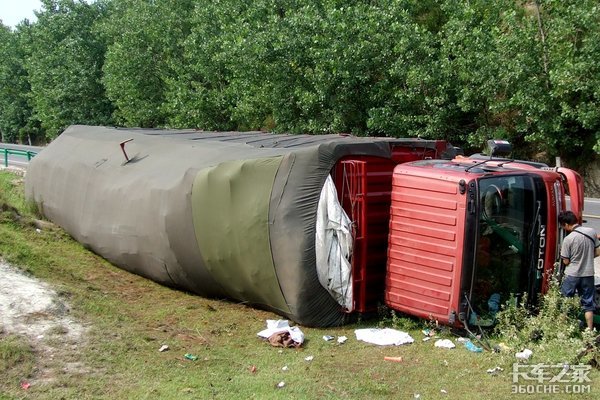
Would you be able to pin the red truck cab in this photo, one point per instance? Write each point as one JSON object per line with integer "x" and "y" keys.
{"x": 466, "y": 234}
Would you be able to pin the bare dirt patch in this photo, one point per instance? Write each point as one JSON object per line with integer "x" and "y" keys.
{"x": 32, "y": 309}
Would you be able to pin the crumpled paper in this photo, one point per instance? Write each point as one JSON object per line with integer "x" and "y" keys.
{"x": 445, "y": 343}
{"x": 383, "y": 337}
{"x": 524, "y": 355}
{"x": 280, "y": 334}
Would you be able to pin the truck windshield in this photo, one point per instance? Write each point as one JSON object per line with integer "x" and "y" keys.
{"x": 508, "y": 210}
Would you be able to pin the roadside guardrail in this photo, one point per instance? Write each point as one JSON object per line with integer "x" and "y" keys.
{"x": 14, "y": 152}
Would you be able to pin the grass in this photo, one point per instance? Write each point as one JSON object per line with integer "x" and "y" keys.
{"x": 16, "y": 357}
{"x": 128, "y": 318}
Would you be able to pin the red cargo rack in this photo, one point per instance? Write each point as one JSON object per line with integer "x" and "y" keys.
{"x": 364, "y": 190}
{"x": 364, "y": 186}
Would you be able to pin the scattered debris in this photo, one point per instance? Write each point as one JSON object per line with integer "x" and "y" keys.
{"x": 444, "y": 391}
{"x": 502, "y": 347}
{"x": 524, "y": 355}
{"x": 280, "y": 334}
{"x": 495, "y": 370}
{"x": 340, "y": 340}
{"x": 253, "y": 369}
{"x": 190, "y": 357}
{"x": 462, "y": 340}
{"x": 284, "y": 368}
{"x": 164, "y": 347}
{"x": 383, "y": 337}
{"x": 428, "y": 332}
{"x": 282, "y": 339}
{"x": 25, "y": 385}
{"x": 309, "y": 358}
{"x": 426, "y": 338}
{"x": 42, "y": 225}
{"x": 396, "y": 359}
{"x": 471, "y": 347}
{"x": 445, "y": 343}
{"x": 281, "y": 384}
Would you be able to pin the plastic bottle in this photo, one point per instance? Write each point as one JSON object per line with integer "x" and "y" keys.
{"x": 471, "y": 347}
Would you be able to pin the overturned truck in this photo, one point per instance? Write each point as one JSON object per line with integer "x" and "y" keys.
{"x": 314, "y": 228}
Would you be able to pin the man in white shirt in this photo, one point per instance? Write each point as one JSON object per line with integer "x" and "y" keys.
{"x": 579, "y": 248}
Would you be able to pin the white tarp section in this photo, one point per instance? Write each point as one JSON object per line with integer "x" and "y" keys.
{"x": 334, "y": 246}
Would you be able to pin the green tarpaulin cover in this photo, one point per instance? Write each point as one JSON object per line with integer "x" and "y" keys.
{"x": 221, "y": 214}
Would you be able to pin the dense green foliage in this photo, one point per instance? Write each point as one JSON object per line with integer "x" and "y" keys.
{"x": 459, "y": 70}
{"x": 555, "y": 326}
{"x": 16, "y": 121}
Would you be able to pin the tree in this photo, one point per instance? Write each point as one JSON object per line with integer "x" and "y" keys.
{"x": 64, "y": 61}
{"x": 492, "y": 55}
{"x": 460, "y": 70}
{"x": 12, "y": 102}
{"x": 573, "y": 37}
{"x": 199, "y": 93}
{"x": 411, "y": 97}
{"x": 145, "y": 48}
